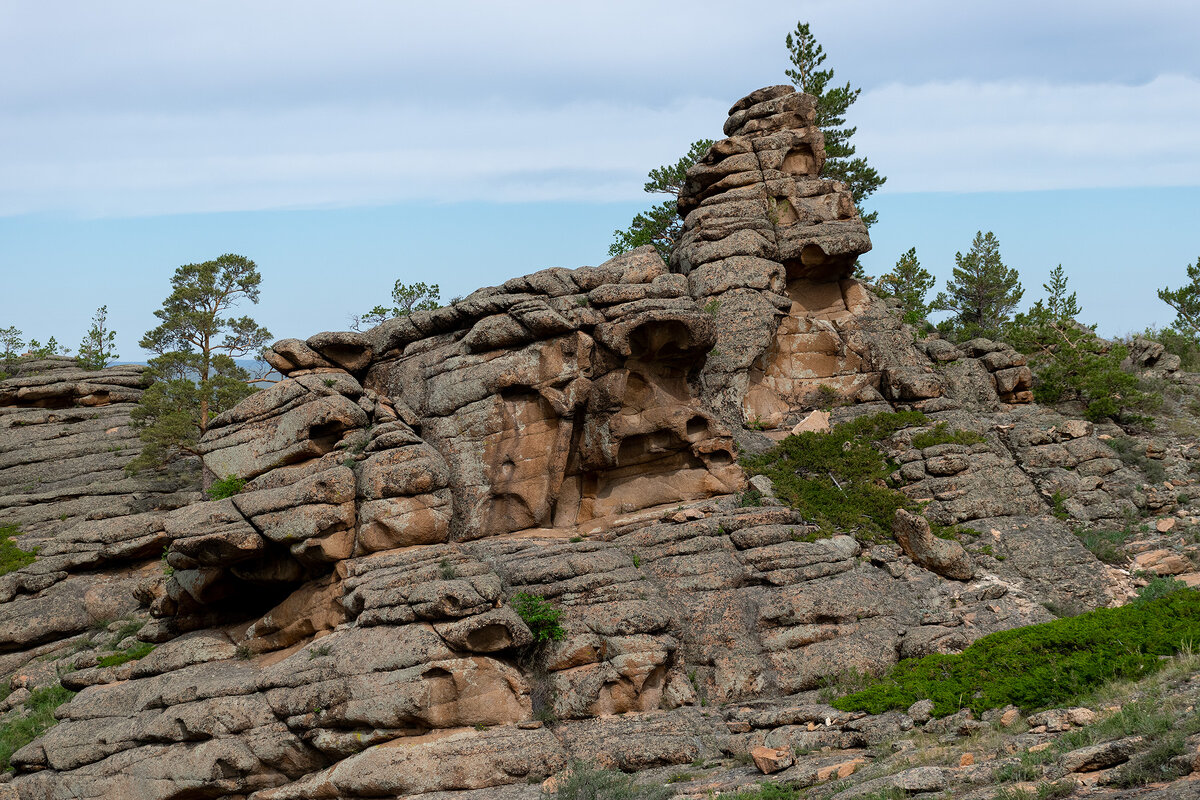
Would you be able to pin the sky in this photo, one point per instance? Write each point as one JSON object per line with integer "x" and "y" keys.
{"x": 344, "y": 146}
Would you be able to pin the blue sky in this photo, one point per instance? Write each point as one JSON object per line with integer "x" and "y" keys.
{"x": 343, "y": 146}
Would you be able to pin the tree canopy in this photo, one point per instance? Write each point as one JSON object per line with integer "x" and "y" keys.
{"x": 194, "y": 371}
{"x": 983, "y": 292}
{"x": 407, "y": 298}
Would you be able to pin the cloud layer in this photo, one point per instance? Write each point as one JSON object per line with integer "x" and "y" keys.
{"x": 132, "y": 109}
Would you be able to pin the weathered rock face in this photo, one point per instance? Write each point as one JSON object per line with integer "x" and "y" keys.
{"x": 65, "y": 438}
{"x": 343, "y": 626}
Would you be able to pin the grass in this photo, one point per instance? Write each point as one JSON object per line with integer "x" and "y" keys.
{"x": 1106, "y": 545}
{"x": 1133, "y": 454}
{"x": 12, "y": 558}
{"x": 1040, "y": 666}
{"x": 941, "y": 434}
{"x": 586, "y": 782}
{"x": 39, "y": 718}
{"x": 764, "y": 791}
{"x": 839, "y": 480}
{"x": 139, "y": 650}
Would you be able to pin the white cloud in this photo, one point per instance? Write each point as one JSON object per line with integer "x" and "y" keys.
{"x": 132, "y": 108}
{"x": 969, "y": 137}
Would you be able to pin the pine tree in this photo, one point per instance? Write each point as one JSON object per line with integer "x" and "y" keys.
{"x": 98, "y": 348}
{"x": 661, "y": 225}
{"x": 1186, "y": 302}
{"x": 407, "y": 298}
{"x": 195, "y": 375}
{"x": 1071, "y": 363}
{"x": 832, "y": 104}
{"x": 909, "y": 282}
{"x": 982, "y": 293}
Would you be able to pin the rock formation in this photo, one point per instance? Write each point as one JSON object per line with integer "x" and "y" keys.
{"x": 343, "y": 626}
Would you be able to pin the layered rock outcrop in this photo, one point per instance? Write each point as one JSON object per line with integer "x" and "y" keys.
{"x": 344, "y": 626}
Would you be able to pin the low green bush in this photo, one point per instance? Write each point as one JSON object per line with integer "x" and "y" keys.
{"x": 226, "y": 487}
{"x": 941, "y": 434}
{"x": 838, "y": 480}
{"x": 39, "y": 717}
{"x": 540, "y": 615}
{"x": 1133, "y": 454}
{"x": 1043, "y": 665}
{"x": 12, "y": 558}
{"x": 1105, "y": 545}
{"x": 586, "y": 782}
{"x": 139, "y": 650}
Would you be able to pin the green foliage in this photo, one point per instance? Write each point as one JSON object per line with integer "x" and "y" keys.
{"x": 660, "y": 225}
{"x": 941, "y": 434}
{"x": 407, "y": 298}
{"x": 1181, "y": 343}
{"x": 1071, "y": 363}
{"x": 540, "y": 615}
{"x": 226, "y": 487}
{"x": 11, "y": 343}
{"x": 1105, "y": 544}
{"x": 39, "y": 717}
{"x": 194, "y": 372}
{"x": 1133, "y": 454}
{"x": 909, "y": 282}
{"x": 764, "y": 791}
{"x": 1186, "y": 302}
{"x": 12, "y": 558}
{"x": 1043, "y": 665}
{"x": 1154, "y": 764}
{"x": 139, "y": 650}
{"x": 833, "y": 101}
{"x": 99, "y": 346}
{"x": 1158, "y": 588}
{"x": 838, "y": 479}
{"x": 586, "y": 782}
{"x": 982, "y": 293}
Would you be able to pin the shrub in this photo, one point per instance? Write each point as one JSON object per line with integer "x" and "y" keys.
{"x": 226, "y": 487}
{"x": 540, "y": 615}
{"x": 1105, "y": 544}
{"x": 39, "y": 718}
{"x": 941, "y": 434}
{"x": 839, "y": 479}
{"x": 1133, "y": 454}
{"x": 12, "y": 558}
{"x": 1041, "y": 665}
{"x": 1071, "y": 363}
{"x": 1159, "y": 587}
{"x": 586, "y": 782}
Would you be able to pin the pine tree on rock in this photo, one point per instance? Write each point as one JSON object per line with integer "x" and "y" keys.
{"x": 195, "y": 374}
{"x": 983, "y": 292}
{"x": 832, "y": 104}
{"x": 1186, "y": 302}
{"x": 909, "y": 282}
{"x": 661, "y": 225}
{"x": 99, "y": 345}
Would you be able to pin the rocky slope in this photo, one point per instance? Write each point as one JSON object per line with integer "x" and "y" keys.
{"x": 344, "y": 626}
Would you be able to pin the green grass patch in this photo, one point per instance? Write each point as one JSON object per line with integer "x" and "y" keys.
{"x": 12, "y": 558}
{"x": 1132, "y": 453}
{"x": 1041, "y": 666}
{"x": 839, "y": 480}
{"x": 139, "y": 650}
{"x": 38, "y": 719}
{"x": 941, "y": 434}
